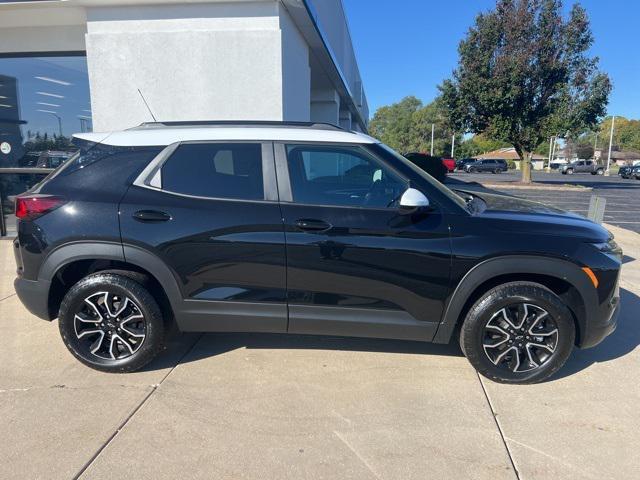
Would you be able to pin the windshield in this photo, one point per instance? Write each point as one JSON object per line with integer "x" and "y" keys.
{"x": 450, "y": 194}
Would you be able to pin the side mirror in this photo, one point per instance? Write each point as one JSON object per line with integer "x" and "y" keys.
{"x": 413, "y": 200}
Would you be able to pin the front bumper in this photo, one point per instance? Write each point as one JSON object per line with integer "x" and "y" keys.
{"x": 602, "y": 326}
{"x": 34, "y": 295}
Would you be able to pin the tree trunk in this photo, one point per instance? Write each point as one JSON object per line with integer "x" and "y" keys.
{"x": 525, "y": 166}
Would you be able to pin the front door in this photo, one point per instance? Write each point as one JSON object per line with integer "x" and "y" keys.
{"x": 356, "y": 265}
{"x": 209, "y": 212}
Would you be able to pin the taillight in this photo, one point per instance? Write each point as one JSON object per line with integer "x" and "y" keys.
{"x": 30, "y": 207}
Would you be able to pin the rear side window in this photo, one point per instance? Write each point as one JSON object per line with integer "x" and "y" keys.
{"x": 215, "y": 170}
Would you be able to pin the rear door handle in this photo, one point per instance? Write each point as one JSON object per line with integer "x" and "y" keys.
{"x": 310, "y": 225}
{"x": 151, "y": 216}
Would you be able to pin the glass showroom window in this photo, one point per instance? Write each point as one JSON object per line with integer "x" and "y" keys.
{"x": 43, "y": 101}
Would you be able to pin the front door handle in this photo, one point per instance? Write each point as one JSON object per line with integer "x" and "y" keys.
{"x": 311, "y": 225}
{"x": 151, "y": 216}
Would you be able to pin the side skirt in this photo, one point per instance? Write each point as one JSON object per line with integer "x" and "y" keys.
{"x": 358, "y": 322}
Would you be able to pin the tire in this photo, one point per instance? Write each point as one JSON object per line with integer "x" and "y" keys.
{"x": 128, "y": 333}
{"x": 483, "y": 345}
{"x": 600, "y": 172}
{"x": 569, "y": 171}
{"x": 471, "y": 170}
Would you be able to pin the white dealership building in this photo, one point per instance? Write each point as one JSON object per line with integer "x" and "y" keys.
{"x": 72, "y": 65}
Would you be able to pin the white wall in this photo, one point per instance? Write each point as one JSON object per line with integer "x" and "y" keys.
{"x": 296, "y": 73}
{"x": 195, "y": 59}
{"x": 216, "y": 61}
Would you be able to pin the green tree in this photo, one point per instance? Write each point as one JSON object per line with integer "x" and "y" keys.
{"x": 406, "y": 126}
{"x": 626, "y": 134}
{"x": 524, "y": 74}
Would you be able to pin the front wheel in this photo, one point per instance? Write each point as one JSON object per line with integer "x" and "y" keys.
{"x": 518, "y": 333}
{"x": 600, "y": 171}
{"x": 471, "y": 170}
{"x": 570, "y": 171}
{"x": 111, "y": 323}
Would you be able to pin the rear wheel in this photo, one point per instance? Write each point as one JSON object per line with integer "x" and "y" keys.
{"x": 111, "y": 323}
{"x": 569, "y": 171}
{"x": 600, "y": 171}
{"x": 518, "y": 333}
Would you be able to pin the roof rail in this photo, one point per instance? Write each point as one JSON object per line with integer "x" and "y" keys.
{"x": 237, "y": 123}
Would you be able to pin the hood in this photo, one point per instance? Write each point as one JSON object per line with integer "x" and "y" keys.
{"x": 519, "y": 215}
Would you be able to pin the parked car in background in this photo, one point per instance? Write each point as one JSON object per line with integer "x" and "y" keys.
{"x": 432, "y": 165}
{"x": 487, "y": 165}
{"x": 636, "y": 172}
{"x": 626, "y": 171}
{"x": 45, "y": 159}
{"x": 557, "y": 164}
{"x": 450, "y": 163}
{"x": 461, "y": 164}
{"x": 583, "y": 166}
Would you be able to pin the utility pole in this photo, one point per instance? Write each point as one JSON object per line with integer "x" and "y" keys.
{"x": 433, "y": 126}
{"x": 453, "y": 144}
{"x": 549, "y": 163}
{"x": 553, "y": 150}
{"x": 613, "y": 122}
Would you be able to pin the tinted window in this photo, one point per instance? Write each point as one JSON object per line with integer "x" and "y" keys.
{"x": 345, "y": 176}
{"x": 217, "y": 170}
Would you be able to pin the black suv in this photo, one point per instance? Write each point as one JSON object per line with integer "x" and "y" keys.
{"x": 487, "y": 165}
{"x": 461, "y": 164}
{"x": 304, "y": 229}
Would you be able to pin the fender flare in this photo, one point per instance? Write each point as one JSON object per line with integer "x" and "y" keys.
{"x": 143, "y": 259}
{"x": 516, "y": 264}
{"x": 74, "y": 251}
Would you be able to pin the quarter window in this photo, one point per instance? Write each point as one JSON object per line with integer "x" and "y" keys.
{"x": 215, "y": 170}
{"x": 343, "y": 176}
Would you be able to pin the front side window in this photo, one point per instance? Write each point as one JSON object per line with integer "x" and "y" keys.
{"x": 215, "y": 170}
{"x": 341, "y": 176}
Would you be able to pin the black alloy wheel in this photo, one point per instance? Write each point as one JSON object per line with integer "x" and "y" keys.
{"x": 519, "y": 333}
{"x": 111, "y": 322}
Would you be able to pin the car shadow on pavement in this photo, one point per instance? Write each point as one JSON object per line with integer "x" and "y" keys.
{"x": 212, "y": 344}
{"x": 624, "y": 340}
{"x": 187, "y": 348}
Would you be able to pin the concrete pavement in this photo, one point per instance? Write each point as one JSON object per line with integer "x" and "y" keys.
{"x": 276, "y": 406}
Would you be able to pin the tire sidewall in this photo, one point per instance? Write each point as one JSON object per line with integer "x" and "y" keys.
{"x": 494, "y": 301}
{"x": 119, "y": 285}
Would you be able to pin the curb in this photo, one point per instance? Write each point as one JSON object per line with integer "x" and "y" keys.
{"x": 561, "y": 188}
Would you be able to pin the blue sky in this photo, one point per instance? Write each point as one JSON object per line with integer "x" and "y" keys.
{"x": 408, "y": 47}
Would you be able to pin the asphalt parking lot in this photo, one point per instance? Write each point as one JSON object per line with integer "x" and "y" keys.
{"x": 623, "y": 196}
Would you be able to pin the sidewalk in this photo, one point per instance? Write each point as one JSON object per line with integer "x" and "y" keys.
{"x": 275, "y": 406}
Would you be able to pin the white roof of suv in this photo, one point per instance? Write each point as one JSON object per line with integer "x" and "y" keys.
{"x": 162, "y": 134}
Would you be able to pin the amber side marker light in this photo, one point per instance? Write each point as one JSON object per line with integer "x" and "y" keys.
{"x": 591, "y": 275}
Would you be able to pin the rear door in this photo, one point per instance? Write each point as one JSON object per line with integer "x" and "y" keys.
{"x": 209, "y": 212}
{"x": 355, "y": 265}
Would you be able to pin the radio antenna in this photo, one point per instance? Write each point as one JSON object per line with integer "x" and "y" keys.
{"x": 147, "y": 105}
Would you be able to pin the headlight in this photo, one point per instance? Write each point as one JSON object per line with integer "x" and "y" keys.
{"x": 609, "y": 246}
